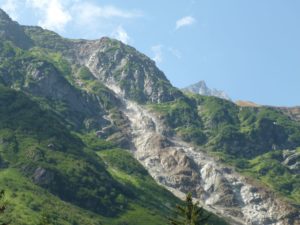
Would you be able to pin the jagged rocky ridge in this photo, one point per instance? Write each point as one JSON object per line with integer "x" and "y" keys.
{"x": 132, "y": 78}
{"x": 202, "y": 89}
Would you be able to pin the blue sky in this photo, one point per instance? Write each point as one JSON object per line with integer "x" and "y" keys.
{"x": 248, "y": 48}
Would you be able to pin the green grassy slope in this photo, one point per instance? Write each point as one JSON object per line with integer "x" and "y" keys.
{"x": 42, "y": 149}
{"x": 49, "y": 171}
{"x": 269, "y": 170}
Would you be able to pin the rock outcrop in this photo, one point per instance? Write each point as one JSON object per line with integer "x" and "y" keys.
{"x": 113, "y": 62}
{"x": 292, "y": 112}
{"x": 118, "y": 64}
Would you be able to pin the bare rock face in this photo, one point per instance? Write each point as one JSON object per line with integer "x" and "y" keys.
{"x": 117, "y": 64}
{"x": 45, "y": 80}
{"x": 42, "y": 79}
{"x": 291, "y": 159}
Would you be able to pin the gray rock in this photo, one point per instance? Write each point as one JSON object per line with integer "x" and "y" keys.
{"x": 42, "y": 176}
{"x": 202, "y": 89}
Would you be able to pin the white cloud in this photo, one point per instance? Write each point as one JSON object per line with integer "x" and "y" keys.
{"x": 53, "y": 13}
{"x": 157, "y": 51}
{"x": 100, "y": 19}
{"x": 11, "y": 7}
{"x": 175, "y": 52}
{"x": 121, "y": 35}
{"x": 185, "y": 21}
{"x": 88, "y": 12}
{"x": 89, "y": 20}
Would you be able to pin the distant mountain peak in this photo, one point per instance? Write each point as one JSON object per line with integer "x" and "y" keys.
{"x": 201, "y": 84}
{"x": 202, "y": 89}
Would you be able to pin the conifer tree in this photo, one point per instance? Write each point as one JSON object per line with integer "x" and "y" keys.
{"x": 189, "y": 213}
{"x": 2, "y": 206}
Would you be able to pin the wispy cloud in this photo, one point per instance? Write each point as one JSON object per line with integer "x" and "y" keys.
{"x": 81, "y": 18}
{"x": 54, "y": 15}
{"x": 89, "y": 12}
{"x": 175, "y": 52}
{"x": 11, "y": 7}
{"x": 185, "y": 21}
{"x": 121, "y": 34}
{"x": 98, "y": 20}
{"x": 87, "y": 18}
{"x": 157, "y": 52}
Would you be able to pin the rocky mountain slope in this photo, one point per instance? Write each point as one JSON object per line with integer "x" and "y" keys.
{"x": 75, "y": 105}
{"x": 202, "y": 89}
{"x": 292, "y": 112}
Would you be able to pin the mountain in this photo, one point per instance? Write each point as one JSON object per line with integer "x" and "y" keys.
{"x": 202, "y": 89}
{"x": 92, "y": 132}
{"x": 63, "y": 139}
